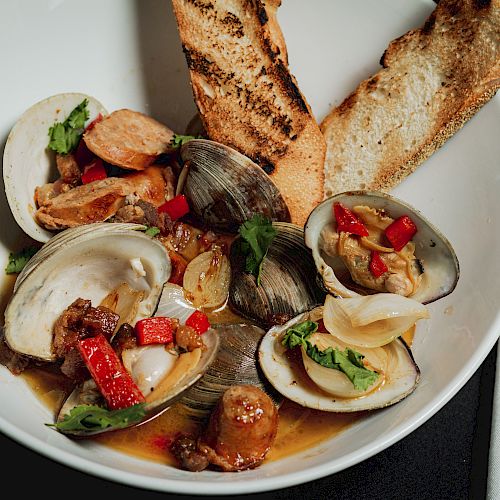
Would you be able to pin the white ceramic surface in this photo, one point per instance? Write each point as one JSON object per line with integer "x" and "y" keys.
{"x": 127, "y": 54}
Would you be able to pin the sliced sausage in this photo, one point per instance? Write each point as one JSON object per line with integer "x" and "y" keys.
{"x": 93, "y": 202}
{"x": 241, "y": 429}
{"x": 129, "y": 139}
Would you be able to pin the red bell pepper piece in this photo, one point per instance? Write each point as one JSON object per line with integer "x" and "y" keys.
{"x": 91, "y": 125}
{"x": 400, "y": 232}
{"x": 83, "y": 155}
{"x": 377, "y": 265}
{"x": 157, "y": 330}
{"x": 198, "y": 321}
{"x": 113, "y": 380}
{"x": 176, "y": 207}
{"x": 94, "y": 172}
{"x": 347, "y": 221}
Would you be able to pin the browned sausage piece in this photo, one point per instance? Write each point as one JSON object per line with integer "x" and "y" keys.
{"x": 128, "y": 139}
{"x": 93, "y": 202}
{"x": 241, "y": 429}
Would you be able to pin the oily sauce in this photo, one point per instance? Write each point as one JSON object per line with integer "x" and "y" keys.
{"x": 299, "y": 428}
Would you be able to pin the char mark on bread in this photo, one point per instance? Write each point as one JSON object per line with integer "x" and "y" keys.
{"x": 246, "y": 96}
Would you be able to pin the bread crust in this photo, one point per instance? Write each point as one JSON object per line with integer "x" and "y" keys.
{"x": 433, "y": 80}
{"x": 246, "y": 96}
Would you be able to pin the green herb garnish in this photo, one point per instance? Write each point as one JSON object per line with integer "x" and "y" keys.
{"x": 18, "y": 260}
{"x": 152, "y": 231}
{"x": 178, "y": 140}
{"x": 257, "y": 235}
{"x": 64, "y": 136}
{"x": 349, "y": 361}
{"x": 89, "y": 418}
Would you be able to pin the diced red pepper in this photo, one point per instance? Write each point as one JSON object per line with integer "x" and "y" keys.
{"x": 321, "y": 326}
{"x": 157, "y": 330}
{"x": 91, "y": 125}
{"x": 377, "y": 265}
{"x": 83, "y": 155}
{"x": 199, "y": 321}
{"x": 400, "y": 232}
{"x": 113, "y": 380}
{"x": 347, "y": 221}
{"x": 94, "y": 172}
{"x": 176, "y": 207}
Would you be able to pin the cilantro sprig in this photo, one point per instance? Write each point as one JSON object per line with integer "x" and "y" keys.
{"x": 178, "y": 140}
{"x": 349, "y": 361}
{"x": 91, "y": 418}
{"x": 64, "y": 136}
{"x": 18, "y": 260}
{"x": 256, "y": 236}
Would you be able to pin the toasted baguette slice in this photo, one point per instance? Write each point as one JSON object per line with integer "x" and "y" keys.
{"x": 433, "y": 80}
{"x": 246, "y": 96}
{"x": 129, "y": 139}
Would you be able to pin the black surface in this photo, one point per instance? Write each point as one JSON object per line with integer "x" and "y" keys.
{"x": 446, "y": 458}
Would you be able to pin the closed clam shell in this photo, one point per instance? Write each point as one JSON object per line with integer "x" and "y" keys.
{"x": 225, "y": 188}
{"x": 236, "y": 364}
{"x": 432, "y": 249}
{"x": 28, "y": 163}
{"x": 288, "y": 284}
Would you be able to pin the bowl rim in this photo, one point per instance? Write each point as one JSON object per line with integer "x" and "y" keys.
{"x": 259, "y": 485}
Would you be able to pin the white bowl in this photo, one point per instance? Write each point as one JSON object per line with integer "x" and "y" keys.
{"x": 131, "y": 57}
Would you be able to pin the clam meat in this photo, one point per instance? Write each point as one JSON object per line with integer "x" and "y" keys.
{"x": 368, "y": 242}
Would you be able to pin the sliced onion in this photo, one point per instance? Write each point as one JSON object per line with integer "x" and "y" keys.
{"x": 206, "y": 279}
{"x": 124, "y": 301}
{"x": 336, "y": 382}
{"x": 173, "y": 303}
{"x": 371, "y": 320}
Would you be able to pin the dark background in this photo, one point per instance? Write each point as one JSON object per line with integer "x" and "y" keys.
{"x": 445, "y": 458}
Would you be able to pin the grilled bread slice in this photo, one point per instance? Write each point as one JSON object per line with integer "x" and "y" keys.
{"x": 433, "y": 80}
{"x": 246, "y": 96}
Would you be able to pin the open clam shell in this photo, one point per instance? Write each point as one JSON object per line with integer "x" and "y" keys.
{"x": 27, "y": 163}
{"x": 291, "y": 380}
{"x": 236, "y": 364}
{"x": 433, "y": 251}
{"x": 89, "y": 264}
{"x": 170, "y": 382}
{"x": 288, "y": 284}
{"x": 225, "y": 188}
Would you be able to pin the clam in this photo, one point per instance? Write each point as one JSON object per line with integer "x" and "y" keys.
{"x": 288, "y": 284}
{"x": 163, "y": 376}
{"x": 309, "y": 384}
{"x": 235, "y": 364}
{"x": 225, "y": 188}
{"x": 86, "y": 262}
{"x": 433, "y": 252}
{"x": 27, "y": 163}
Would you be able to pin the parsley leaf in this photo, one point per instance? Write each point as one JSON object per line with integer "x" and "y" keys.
{"x": 178, "y": 140}
{"x": 257, "y": 235}
{"x": 152, "y": 231}
{"x": 349, "y": 361}
{"x": 64, "y": 136}
{"x": 89, "y": 418}
{"x": 18, "y": 260}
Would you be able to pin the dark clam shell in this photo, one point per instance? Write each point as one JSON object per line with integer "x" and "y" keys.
{"x": 225, "y": 188}
{"x": 288, "y": 283}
